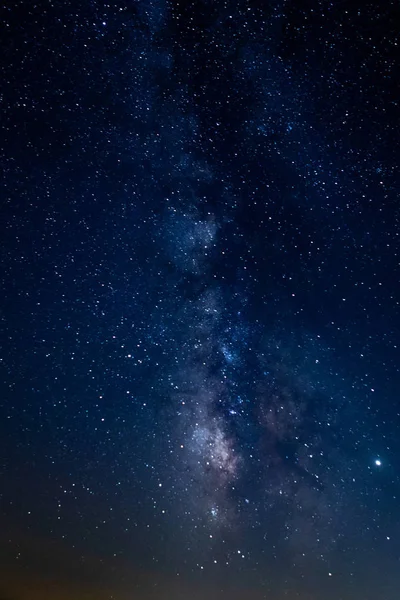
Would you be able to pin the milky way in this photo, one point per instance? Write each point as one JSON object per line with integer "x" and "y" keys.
{"x": 200, "y": 324}
{"x": 275, "y": 429}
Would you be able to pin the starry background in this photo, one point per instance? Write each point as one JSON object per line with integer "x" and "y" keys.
{"x": 200, "y": 302}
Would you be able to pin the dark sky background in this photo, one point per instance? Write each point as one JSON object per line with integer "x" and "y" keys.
{"x": 200, "y": 301}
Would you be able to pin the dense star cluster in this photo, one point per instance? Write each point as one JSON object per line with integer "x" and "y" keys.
{"x": 200, "y": 306}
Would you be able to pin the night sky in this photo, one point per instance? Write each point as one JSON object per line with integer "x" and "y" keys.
{"x": 200, "y": 320}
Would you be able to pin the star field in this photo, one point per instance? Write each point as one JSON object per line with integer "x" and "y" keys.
{"x": 200, "y": 306}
